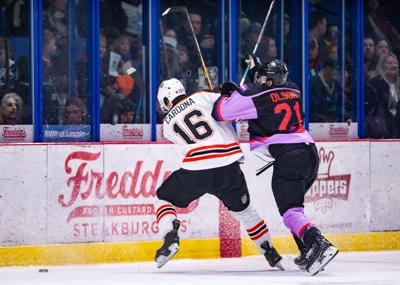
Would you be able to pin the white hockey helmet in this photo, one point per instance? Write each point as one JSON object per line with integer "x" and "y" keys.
{"x": 168, "y": 91}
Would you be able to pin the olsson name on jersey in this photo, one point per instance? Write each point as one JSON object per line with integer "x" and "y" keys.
{"x": 179, "y": 108}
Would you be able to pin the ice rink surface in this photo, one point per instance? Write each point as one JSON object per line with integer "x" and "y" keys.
{"x": 367, "y": 268}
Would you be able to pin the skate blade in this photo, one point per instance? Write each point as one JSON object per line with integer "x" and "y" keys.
{"x": 317, "y": 267}
{"x": 280, "y": 266}
{"x": 162, "y": 259}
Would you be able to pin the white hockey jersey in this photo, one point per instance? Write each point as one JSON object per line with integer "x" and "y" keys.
{"x": 206, "y": 143}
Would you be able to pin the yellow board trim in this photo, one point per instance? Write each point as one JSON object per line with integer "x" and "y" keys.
{"x": 91, "y": 253}
{"x": 344, "y": 242}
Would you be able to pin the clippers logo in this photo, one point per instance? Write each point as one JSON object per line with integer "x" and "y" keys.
{"x": 328, "y": 187}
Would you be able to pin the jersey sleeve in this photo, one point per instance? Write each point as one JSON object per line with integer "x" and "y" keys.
{"x": 234, "y": 107}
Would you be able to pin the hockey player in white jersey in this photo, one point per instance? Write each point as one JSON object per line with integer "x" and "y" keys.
{"x": 210, "y": 165}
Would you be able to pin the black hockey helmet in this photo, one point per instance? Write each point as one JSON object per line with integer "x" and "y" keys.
{"x": 275, "y": 71}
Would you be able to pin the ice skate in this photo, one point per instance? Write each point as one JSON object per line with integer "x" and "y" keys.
{"x": 170, "y": 246}
{"x": 272, "y": 256}
{"x": 321, "y": 251}
{"x": 300, "y": 260}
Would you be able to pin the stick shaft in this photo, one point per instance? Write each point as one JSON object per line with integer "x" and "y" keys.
{"x": 203, "y": 65}
{"x": 258, "y": 40}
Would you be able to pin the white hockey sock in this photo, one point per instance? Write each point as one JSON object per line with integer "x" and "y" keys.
{"x": 165, "y": 214}
{"x": 254, "y": 225}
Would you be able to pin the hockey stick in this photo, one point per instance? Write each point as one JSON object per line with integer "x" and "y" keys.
{"x": 164, "y": 50}
{"x": 258, "y": 40}
{"x": 183, "y": 9}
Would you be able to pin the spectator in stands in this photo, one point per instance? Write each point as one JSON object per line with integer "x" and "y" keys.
{"x": 11, "y": 104}
{"x": 16, "y": 18}
{"x": 268, "y": 48}
{"x": 126, "y": 112}
{"x": 112, "y": 16}
{"x": 250, "y": 37}
{"x": 133, "y": 12}
{"x": 376, "y": 25}
{"x": 382, "y": 99}
{"x": 55, "y": 19}
{"x": 117, "y": 89}
{"x": 381, "y": 48}
{"x": 75, "y": 112}
{"x": 330, "y": 37}
{"x": 48, "y": 54}
{"x": 8, "y": 68}
{"x": 169, "y": 55}
{"x": 111, "y": 97}
{"x": 323, "y": 94}
{"x": 313, "y": 58}
{"x": 330, "y": 53}
{"x": 369, "y": 52}
{"x": 317, "y": 27}
{"x": 23, "y": 88}
{"x": 123, "y": 48}
{"x": 205, "y": 38}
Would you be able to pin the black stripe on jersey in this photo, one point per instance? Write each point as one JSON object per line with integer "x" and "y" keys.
{"x": 214, "y": 151}
{"x": 260, "y": 229}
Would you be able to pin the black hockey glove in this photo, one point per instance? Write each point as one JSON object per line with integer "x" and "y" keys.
{"x": 253, "y": 62}
{"x": 250, "y": 60}
{"x": 228, "y": 88}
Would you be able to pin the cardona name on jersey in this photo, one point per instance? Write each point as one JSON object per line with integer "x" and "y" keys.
{"x": 179, "y": 108}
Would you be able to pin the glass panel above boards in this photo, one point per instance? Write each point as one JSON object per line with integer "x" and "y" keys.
{"x": 16, "y": 108}
{"x": 180, "y": 57}
{"x": 124, "y": 101}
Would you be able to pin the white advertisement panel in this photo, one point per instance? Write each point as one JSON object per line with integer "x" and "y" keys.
{"x": 334, "y": 131}
{"x": 128, "y": 133}
{"x": 16, "y": 133}
{"x": 23, "y": 195}
{"x": 76, "y": 193}
{"x": 337, "y": 200}
{"x": 85, "y": 193}
{"x": 385, "y": 181}
{"x": 107, "y": 194}
{"x": 133, "y": 176}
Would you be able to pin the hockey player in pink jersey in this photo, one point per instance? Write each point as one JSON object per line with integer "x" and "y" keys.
{"x": 272, "y": 107}
{"x": 210, "y": 165}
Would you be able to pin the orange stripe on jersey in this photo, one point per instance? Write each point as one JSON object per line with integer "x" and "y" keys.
{"x": 211, "y": 146}
{"x": 189, "y": 159}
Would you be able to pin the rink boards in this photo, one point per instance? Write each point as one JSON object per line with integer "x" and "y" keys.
{"x": 93, "y": 203}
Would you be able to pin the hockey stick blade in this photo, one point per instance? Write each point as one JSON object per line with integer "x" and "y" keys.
{"x": 169, "y": 10}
